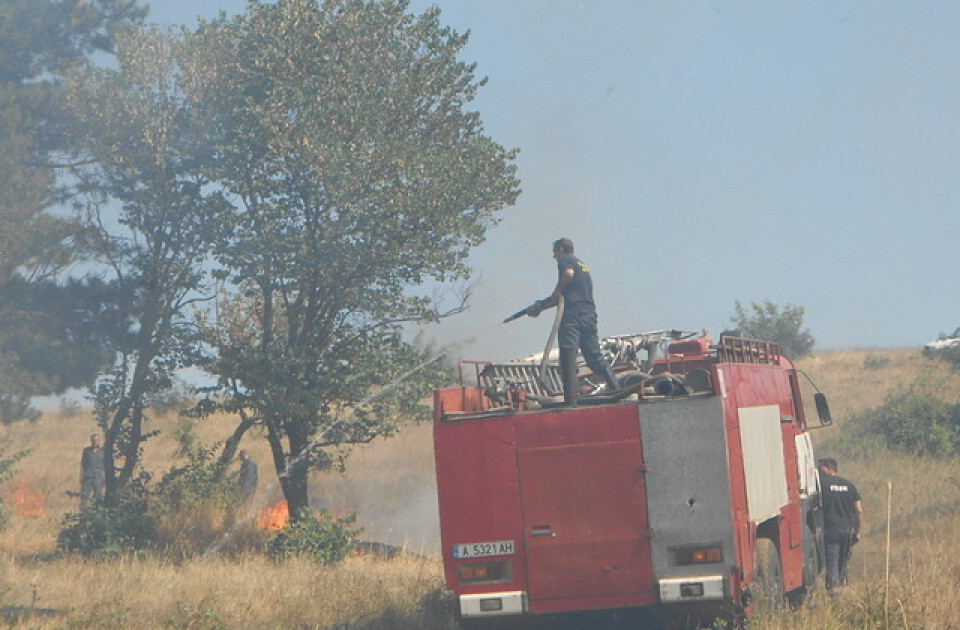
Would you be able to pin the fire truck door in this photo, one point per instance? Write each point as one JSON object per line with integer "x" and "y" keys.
{"x": 584, "y": 519}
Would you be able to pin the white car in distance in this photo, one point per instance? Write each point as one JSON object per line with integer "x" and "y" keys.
{"x": 945, "y": 342}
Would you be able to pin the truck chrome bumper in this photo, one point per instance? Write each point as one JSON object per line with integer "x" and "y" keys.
{"x": 493, "y": 604}
{"x": 691, "y": 589}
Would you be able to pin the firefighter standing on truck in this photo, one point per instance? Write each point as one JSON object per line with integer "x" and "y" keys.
{"x": 578, "y": 326}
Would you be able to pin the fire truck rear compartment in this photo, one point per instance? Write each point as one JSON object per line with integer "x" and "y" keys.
{"x": 591, "y": 500}
{"x": 688, "y": 497}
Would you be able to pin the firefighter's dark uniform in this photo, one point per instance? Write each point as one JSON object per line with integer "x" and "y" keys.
{"x": 840, "y": 522}
{"x": 578, "y": 329}
{"x": 92, "y": 476}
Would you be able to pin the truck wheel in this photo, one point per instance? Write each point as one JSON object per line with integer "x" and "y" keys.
{"x": 769, "y": 577}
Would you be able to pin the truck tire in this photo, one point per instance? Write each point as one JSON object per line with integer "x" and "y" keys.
{"x": 769, "y": 576}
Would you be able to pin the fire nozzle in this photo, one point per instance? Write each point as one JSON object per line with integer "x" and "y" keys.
{"x": 516, "y": 315}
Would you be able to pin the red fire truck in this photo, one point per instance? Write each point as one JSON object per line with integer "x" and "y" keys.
{"x": 688, "y": 493}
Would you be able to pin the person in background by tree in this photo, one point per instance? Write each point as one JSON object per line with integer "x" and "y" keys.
{"x": 842, "y": 521}
{"x": 91, "y": 474}
{"x": 248, "y": 475}
{"x": 578, "y": 326}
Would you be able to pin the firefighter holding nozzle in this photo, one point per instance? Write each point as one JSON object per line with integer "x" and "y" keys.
{"x": 578, "y": 324}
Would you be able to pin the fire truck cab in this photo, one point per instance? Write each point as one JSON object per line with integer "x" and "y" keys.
{"x": 692, "y": 493}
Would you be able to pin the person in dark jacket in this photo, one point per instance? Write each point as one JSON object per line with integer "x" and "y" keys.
{"x": 92, "y": 474}
{"x": 578, "y": 325}
{"x": 248, "y": 475}
{"x": 842, "y": 521}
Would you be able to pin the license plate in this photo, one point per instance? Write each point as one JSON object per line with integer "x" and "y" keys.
{"x": 484, "y": 549}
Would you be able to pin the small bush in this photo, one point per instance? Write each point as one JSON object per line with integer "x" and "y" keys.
{"x": 104, "y": 531}
{"x": 111, "y": 531}
{"x": 875, "y": 362}
{"x": 200, "y": 482}
{"x": 195, "y": 503}
{"x": 317, "y": 536}
{"x": 911, "y": 422}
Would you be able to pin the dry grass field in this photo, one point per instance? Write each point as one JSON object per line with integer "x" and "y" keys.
{"x": 390, "y": 484}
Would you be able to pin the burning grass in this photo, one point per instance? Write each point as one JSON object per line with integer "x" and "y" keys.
{"x": 390, "y": 484}
{"x": 26, "y": 500}
{"x": 273, "y": 517}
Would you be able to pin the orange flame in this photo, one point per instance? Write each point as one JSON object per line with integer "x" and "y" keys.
{"x": 28, "y": 501}
{"x": 274, "y": 516}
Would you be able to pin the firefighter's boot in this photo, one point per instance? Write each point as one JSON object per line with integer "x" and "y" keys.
{"x": 607, "y": 373}
{"x": 569, "y": 373}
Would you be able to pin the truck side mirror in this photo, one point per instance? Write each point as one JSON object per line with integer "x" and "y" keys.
{"x": 823, "y": 409}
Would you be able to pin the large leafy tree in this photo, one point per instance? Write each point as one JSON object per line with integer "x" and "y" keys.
{"x": 64, "y": 332}
{"x": 42, "y": 38}
{"x": 144, "y": 199}
{"x": 39, "y": 39}
{"x": 770, "y": 322}
{"x": 30, "y": 239}
{"x": 31, "y": 242}
{"x": 342, "y": 134}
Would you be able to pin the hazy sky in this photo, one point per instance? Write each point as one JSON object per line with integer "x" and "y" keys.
{"x": 701, "y": 152}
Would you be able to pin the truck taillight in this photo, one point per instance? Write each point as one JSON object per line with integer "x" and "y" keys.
{"x": 697, "y": 555}
{"x": 486, "y": 572}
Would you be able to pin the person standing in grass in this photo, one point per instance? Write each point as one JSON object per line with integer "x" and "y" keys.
{"x": 842, "y": 521}
{"x": 248, "y": 475}
{"x": 92, "y": 476}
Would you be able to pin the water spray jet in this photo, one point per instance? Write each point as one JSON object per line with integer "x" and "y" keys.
{"x": 252, "y": 511}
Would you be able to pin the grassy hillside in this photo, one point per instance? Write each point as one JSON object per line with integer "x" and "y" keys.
{"x": 391, "y": 485}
